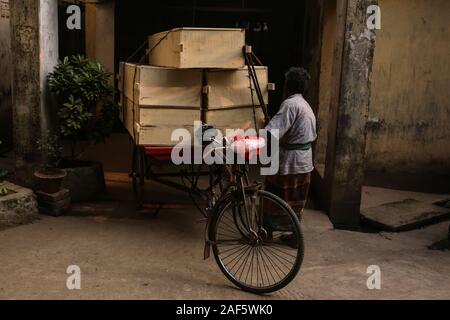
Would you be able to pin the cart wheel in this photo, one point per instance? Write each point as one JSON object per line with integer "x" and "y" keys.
{"x": 138, "y": 176}
{"x": 259, "y": 249}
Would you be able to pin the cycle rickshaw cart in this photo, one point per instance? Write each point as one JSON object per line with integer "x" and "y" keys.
{"x": 255, "y": 237}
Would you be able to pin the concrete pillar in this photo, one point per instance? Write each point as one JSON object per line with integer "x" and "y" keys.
{"x": 49, "y": 54}
{"x": 34, "y": 49}
{"x": 352, "y": 68}
{"x": 5, "y": 79}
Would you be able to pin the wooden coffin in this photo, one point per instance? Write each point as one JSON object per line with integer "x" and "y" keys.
{"x": 189, "y": 48}
{"x": 229, "y": 99}
{"x": 156, "y": 100}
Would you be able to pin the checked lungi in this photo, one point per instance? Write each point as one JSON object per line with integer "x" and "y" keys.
{"x": 293, "y": 189}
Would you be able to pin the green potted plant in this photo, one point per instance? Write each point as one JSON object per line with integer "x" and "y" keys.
{"x": 50, "y": 177}
{"x": 3, "y": 191}
{"x": 86, "y": 114}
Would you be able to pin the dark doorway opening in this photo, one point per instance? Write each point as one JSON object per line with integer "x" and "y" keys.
{"x": 279, "y": 31}
{"x": 71, "y": 42}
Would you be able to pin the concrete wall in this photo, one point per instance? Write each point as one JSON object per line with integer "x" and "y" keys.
{"x": 409, "y": 124}
{"x": 328, "y": 40}
{"x": 34, "y": 49}
{"x": 100, "y": 33}
{"x": 5, "y": 78}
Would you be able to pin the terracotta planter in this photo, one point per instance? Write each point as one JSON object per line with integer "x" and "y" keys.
{"x": 49, "y": 180}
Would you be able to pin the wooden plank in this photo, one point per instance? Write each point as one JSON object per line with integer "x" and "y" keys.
{"x": 127, "y": 115}
{"x": 189, "y": 48}
{"x": 170, "y": 87}
{"x": 159, "y": 86}
{"x": 171, "y": 117}
{"x": 159, "y": 135}
{"x": 235, "y": 118}
{"x": 126, "y": 76}
{"x": 229, "y": 89}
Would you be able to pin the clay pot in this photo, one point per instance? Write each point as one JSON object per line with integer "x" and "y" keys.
{"x": 49, "y": 180}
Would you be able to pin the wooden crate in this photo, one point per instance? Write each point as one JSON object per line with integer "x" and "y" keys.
{"x": 235, "y": 118}
{"x": 160, "y": 86}
{"x": 229, "y": 99}
{"x": 189, "y": 48}
{"x": 155, "y": 101}
{"x": 231, "y": 88}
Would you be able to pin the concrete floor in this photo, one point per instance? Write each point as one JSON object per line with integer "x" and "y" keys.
{"x": 127, "y": 255}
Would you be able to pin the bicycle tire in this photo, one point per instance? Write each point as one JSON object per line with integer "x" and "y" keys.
{"x": 293, "y": 272}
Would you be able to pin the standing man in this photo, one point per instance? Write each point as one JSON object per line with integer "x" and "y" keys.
{"x": 296, "y": 124}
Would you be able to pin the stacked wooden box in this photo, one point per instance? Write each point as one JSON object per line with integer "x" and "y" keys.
{"x": 195, "y": 74}
{"x": 160, "y": 101}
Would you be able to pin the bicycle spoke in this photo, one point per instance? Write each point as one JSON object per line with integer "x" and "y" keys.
{"x": 253, "y": 254}
{"x": 244, "y": 264}
{"x": 229, "y": 249}
{"x": 258, "y": 270}
{"x": 246, "y": 252}
{"x": 281, "y": 248}
{"x": 266, "y": 269}
{"x": 238, "y": 252}
{"x": 277, "y": 259}
{"x": 250, "y": 266}
{"x": 277, "y": 255}
{"x": 230, "y": 228}
{"x": 271, "y": 263}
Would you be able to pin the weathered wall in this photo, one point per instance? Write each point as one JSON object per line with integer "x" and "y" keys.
{"x": 100, "y": 34}
{"x": 26, "y": 86}
{"x": 34, "y": 49}
{"x": 409, "y": 123}
{"x": 5, "y": 78}
{"x": 349, "y": 110}
{"x": 48, "y": 43}
{"x": 328, "y": 36}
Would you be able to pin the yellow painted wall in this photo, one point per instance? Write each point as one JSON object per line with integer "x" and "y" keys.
{"x": 411, "y": 88}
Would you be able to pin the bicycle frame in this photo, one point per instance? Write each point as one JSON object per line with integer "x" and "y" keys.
{"x": 239, "y": 185}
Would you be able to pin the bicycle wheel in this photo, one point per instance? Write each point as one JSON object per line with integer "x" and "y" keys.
{"x": 259, "y": 249}
{"x": 138, "y": 177}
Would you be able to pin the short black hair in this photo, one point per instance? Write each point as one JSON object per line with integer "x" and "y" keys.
{"x": 297, "y": 80}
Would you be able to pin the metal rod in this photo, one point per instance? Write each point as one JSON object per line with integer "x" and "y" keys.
{"x": 254, "y": 78}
